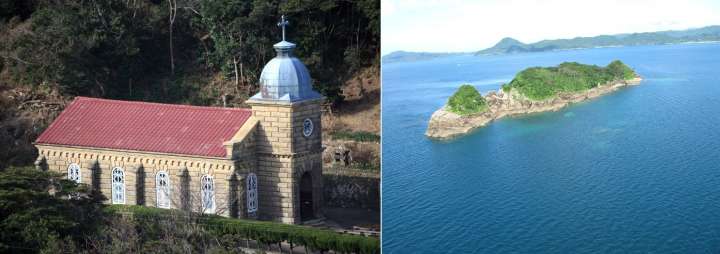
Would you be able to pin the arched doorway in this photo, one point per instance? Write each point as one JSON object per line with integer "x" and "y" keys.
{"x": 306, "y": 197}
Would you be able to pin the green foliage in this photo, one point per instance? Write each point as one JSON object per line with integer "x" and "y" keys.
{"x": 32, "y": 219}
{"x": 619, "y": 69}
{"x": 121, "y": 49}
{"x": 467, "y": 101}
{"x": 365, "y": 165}
{"x": 505, "y": 87}
{"x": 261, "y": 231}
{"x": 360, "y": 136}
{"x": 241, "y": 35}
{"x": 540, "y": 83}
{"x": 334, "y": 38}
{"x": 99, "y": 48}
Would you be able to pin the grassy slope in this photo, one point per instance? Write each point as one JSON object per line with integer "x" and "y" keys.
{"x": 355, "y": 123}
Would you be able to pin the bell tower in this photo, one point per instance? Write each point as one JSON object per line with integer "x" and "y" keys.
{"x": 289, "y": 139}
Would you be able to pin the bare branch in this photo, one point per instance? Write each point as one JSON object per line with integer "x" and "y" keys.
{"x": 16, "y": 59}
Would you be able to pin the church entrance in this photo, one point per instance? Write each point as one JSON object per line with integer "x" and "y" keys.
{"x": 306, "y": 198}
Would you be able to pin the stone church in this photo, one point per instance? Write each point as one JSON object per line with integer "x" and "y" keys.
{"x": 260, "y": 163}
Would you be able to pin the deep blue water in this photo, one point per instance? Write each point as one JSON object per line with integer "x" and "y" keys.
{"x": 635, "y": 171}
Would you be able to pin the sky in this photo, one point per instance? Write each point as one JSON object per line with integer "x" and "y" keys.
{"x": 466, "y": 25}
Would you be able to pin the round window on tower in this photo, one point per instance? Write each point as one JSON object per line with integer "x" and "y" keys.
{"x": 308, "y": 127}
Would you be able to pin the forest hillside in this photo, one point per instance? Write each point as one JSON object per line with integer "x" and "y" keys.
{"x": 178, "y": 51}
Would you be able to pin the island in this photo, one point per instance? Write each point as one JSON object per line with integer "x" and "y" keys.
{"x": 512, "y": 46}
{"x": 509, "y": 45}
{"x": 535, "y": 89}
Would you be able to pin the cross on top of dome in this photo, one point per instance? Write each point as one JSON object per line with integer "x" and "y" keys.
{"x": 284, "y": 47}
{"x": 285, "y": 78}
{"x": 283, "y": 23}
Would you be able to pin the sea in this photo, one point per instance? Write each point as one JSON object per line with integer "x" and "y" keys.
{"x": 634, "y": 171}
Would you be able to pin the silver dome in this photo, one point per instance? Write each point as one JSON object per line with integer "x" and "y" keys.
{"x": 285, "y": 78}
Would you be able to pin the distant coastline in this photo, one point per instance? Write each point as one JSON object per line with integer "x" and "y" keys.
{"x": 407, "y": 56}
{"x": 709, "y": 34}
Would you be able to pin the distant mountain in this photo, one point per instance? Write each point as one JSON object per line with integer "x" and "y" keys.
{"x": 403, "y": 56}
{"x": 510, "y": 45}
{"x": 507, "y": 44}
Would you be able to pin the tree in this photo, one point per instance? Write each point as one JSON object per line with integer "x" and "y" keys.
{"x": 42, "y": 211}
{"x": 172, "y": 4}
{"x": 467, "y": 100}
{"x": 108, "y": 48}
{"x": 240, "y": 33}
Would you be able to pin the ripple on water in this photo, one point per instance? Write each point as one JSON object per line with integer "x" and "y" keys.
{"x": 634, "y": 171}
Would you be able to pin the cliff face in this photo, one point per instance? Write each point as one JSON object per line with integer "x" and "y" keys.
{"x": 445, "y": 124}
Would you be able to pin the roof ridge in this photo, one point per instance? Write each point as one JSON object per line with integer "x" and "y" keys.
{"x": 158, "y": 104}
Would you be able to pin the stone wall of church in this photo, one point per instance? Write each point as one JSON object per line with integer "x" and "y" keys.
{"x": 279, "y": 185}
{"x": 281, "y": 126}
{"x": 312, "y": 164}
{"x": 302, "y": 144}
{"x": 185, "y": 173}
{"x": 275, "y": 184}
{"x": 283, "y": 154}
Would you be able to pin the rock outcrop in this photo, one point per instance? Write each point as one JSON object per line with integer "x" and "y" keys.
{"x": 445, "y": 124}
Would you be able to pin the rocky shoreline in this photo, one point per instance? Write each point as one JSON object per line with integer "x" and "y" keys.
{"x": 445, "y": 124}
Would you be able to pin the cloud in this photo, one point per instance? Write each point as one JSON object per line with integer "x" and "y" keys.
{"x": 457, "y": 25}
{"x": 387, "y": 8}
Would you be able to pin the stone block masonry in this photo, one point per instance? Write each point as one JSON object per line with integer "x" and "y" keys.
{"x": 141, "y": 168}
{"x": 285, "y": 155}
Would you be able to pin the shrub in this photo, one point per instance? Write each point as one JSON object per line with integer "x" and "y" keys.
{"x": 264, "y": 232}
{"x": 33, "y": 219}
{"x": 467, "y": 101}
{"x": 360, "y": 136}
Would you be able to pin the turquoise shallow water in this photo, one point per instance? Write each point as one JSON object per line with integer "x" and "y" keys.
{"x": 635, "y": 171}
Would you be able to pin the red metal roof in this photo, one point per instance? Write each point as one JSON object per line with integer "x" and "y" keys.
{"x": 144, "y": 126}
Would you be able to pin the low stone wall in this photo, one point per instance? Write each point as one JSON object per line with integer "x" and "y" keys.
{"x": 349, "y": 188}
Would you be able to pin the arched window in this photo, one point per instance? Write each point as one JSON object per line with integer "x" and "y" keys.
{"x": 252, "y": 195}
{"x": 118, "y": 186}
{"x": 207, "y": 187}
{"x": 162, "y": 188}
{"x": 74, "y": 172}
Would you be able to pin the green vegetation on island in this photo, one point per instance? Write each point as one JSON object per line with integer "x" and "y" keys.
{"x": 467, "y": 101}
{"x": 539, "y": 83}
{"x": 533, "y": 90}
